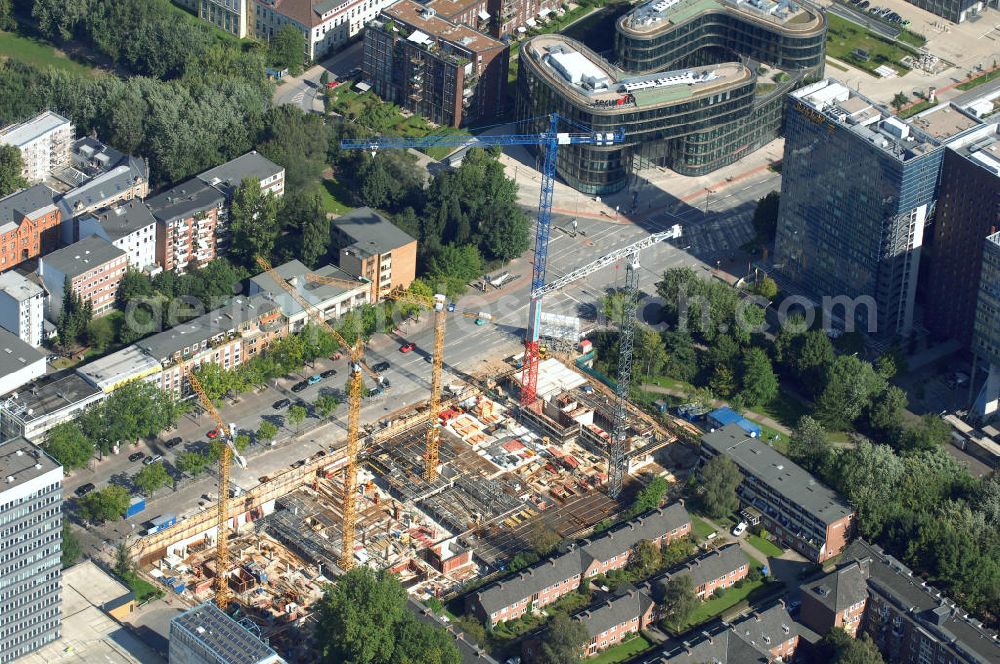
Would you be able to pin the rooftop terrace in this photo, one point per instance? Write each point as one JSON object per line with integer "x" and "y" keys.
{"x": 788, "y": 15}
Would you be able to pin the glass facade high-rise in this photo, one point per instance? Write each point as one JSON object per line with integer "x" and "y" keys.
{"x": 986, "y": 335}
{"x": 858, "y": 186}
{"x": 781, "y": 43}
{"x": 30, "y": 549}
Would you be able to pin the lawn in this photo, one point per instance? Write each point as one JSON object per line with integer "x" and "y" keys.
{"x": 916, "y": 108}
{"x": 912, "y": 38}
{"x": 39, "y": 53}
{"x": 622, "y": 651}
{"x": 843, "y": 37}
{"x": 142, "y": 589}
{"x": 767, "y": 548}
{"x": 717, "y": 605}
{"x": 701, "y": 529}
{"x": 836, "y": 65}
{"x": 985, "y": 78}
{"x": 333, "y": 195}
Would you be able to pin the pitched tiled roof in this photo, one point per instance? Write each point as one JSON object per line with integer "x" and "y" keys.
{"x": 615, "y": 611}
{"x": 648, "y": 526}
{"x": 530, "y": 581}
{"x": 842, "y": 588}
{"x": 707, "y": 567}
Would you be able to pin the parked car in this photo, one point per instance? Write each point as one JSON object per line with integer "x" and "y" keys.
{"x": 315, "y": 378}
{"x": 135, "y": 456}
{"x": 84, "y": 489}
{"x": 213, "y": 434}
{"x": 149, "y": 461}
{"x": 381, "y": 366}
{"x": 407, "y": 347}
{"x": 172, "y": 443}
{"x": 281, "y": 403}
{"x": 740, "y": 528}
{"x": 328, "y": 373}
{"x": 299, "y": 386}
{"x": 336, "y": 356}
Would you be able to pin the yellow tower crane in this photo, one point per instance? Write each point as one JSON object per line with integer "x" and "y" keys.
{"x": 226, "y": 454}
{"x": 357, "y": 351}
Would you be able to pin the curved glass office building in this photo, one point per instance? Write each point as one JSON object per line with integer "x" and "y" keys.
{"x": 745, "y": 56}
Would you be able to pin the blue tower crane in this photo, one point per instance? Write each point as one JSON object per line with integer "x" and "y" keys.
{"x": 549, "y": 142}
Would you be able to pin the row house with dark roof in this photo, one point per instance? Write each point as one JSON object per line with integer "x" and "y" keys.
{"x": 718, "y": 568}
{"x": 550, "y": 579}
{"x": 609, "y": 622}
{"x": 911, "y": 622}
{"x": 800, "y": 511}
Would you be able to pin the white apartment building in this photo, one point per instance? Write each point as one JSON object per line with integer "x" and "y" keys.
{"x": 233, "y": 16}
{"x": 22, "y": 307}
{"x": 44, "y": 142}
{"x": 131, "y": 227}
{"x": 325, "y": 24}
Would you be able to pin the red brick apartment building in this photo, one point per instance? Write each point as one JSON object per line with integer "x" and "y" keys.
{"x": 910, "y": 621}
{"x": 94, "y": 267}
{"x": 29, "y": 225}
{"x": 187, "y": 218}
{"x": 607, "y": 624}
{"x": 795, "y": 507}
{"x": 550, "y": 579}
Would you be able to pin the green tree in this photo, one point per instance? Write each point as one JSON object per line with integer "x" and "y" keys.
{"x": 767, "y": 288}
{"x": 542, "y": 539}
{"x": 760, "y": 385}
{"x": 306, "y": 227}
{"x": 11, "y": 165}
{"x": 809, "y": 446}
{"x": 359, "y": 617}
{"x": 242, "y": 442}
{"x": 59, "y": 18}
{"x": 296, "y": 415}
{"x": 288, "y": 49}
{"x": 107, "y": 504}
{"x": 885, "y": 416}
{"x": 650, "y": 352}
{"x": 837, "y": 647}
{"x": 720, "y": 478}
{"x": 123, "y": 562}
{"x": 253, "y": 220}
{"x": 931, "y": 433}
{"x": 650, "y": 496}
{"x": 722, "y": 382}
{"x": 100, "y": 334}
{"x": 646, "y": 558}
{"x": 811, "y": 357}
{"x": 325, "y": 404}
{"x": 152, "y": 477}
{"x": 679, "y": 601}
{"x": 6, "y": 19}
{"x": 191, "y": 463}
{"x": 899, "y": 100}
{"x": 266, "y": 432}
{"x": 68, "y": 445}
{"x": 452, "y": 267}
{"x": 851, "y": 384}
{"x": 324, "y": 78}
{"x": 765, "y": 217}
{"x": 422, "y": 643}
{"x": 74, "y": 316}
{"x": 71, "y": 550}
{"x": 682, "y": 362}
{"x": 564, "y": 641}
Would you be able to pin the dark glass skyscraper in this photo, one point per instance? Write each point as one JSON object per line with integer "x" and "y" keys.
{"x": 858, "y": 186}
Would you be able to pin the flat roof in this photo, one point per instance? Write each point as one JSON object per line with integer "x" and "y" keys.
{"x": 594, "y": 81}
{"x": 295, "y": 274}
{"x": 81, "y": 257}
{"x": 29, "y": 130}
{"x": 427, "y": 21}
{"x": 944, "y": 121}
{"x": 230, "y": 642}
{"x": 184, "y": 200}
{"x": 232, "y": 173}
{"x": 779, "y": 473}
{"x": 786, "y": 15}
{"x": 16, "y": 354}
{"x": 53, "y": 393}
{"x": 981, "y": 147}
{"x": 23, "y": 461}
{"x": 96, "y": 586}
{"x": 18, "y": 286}
{"x": 125, "y": 219}
{"x": 370, "y": 232}
{"x": 450, "y": 8}
{"x": 110, "y": 371}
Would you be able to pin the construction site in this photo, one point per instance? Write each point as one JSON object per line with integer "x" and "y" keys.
{"x": 440, "y": 493}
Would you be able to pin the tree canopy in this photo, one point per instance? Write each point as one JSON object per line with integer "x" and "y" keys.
{"x": 11, "y": 166}
{"x": 720, "y": 478}
{"x": 563, "y": 642}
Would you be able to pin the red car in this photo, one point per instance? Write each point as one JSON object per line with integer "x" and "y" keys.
{"x": 407, "y": 347}
{"x": 332, "y": 84}
{"x": 213, "y": 434}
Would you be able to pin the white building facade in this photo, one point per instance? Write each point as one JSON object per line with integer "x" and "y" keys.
{"x": 44, "y": 142}
{"x": 325, "y": 24}
{"x": 22, "y": 307}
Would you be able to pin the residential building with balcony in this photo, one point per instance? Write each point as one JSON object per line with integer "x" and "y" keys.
{"x": 228, "y": 177}
{"x": 330, "y": 300}
{"x": 858, "y": 186}
{"x": 764, "y": 636}
{"x": 31, "y": 549}
{"x": 98, "y": 177}
{"x": 435, "y": 67}
{"x": 187, "y": 221}
{"x": 19, "y": 363}
{"x": 801, "y": 512}
{"x": 513, "y": 18}
{"x": 94, "y": 268}
{"x": 29, "y": 225}
{"x": 373, "y": 248}
{"x": 22, "y": 307}
{"x": 233, "y": 16}
{"x": 718, "y": 568}
{"x": 545, "y": 582}
{"x": 130, "y": 226}
{"x": 44, "y": 142}
{"x": 325, "y": 24}
{"x": 473, "y": 13}
{"x": 908, "y": 619}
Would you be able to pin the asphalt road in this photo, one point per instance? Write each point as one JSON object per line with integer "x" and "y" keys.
{"x": 304, "y": 91}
